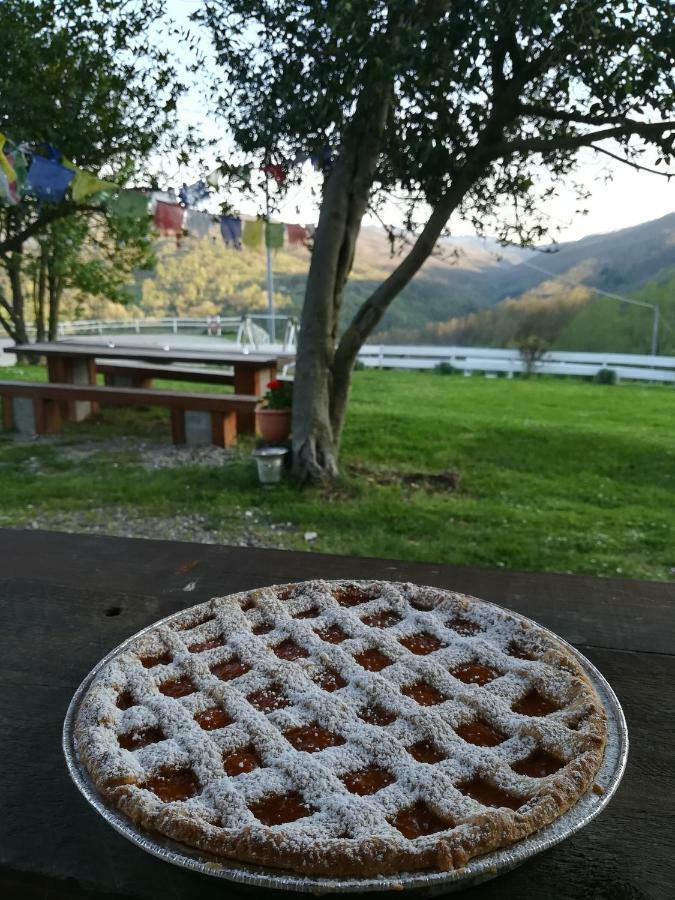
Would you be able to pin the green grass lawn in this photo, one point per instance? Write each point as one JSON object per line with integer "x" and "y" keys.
{"x": 556, "y": 475}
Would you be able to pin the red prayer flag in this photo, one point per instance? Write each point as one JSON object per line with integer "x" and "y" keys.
{"x": 296, "y": 234}
{"x": 169, "y": 217}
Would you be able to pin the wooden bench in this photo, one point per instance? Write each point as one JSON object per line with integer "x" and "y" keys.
{"x": 120, "y": 373}
{"x": 33, "y": 408}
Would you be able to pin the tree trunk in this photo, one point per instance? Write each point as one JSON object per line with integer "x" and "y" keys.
{"x": 315, "y": 443}
{"x": 55, "y": 285}
{"x": 18, "y": 318}
{"x": 40, "y": 292}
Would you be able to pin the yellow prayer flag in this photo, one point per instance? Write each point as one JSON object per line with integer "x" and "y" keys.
{"x": 4, "y": 162}
{"x": 84, "y": 185}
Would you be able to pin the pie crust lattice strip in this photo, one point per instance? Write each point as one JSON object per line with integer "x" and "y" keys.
{"x": 352, "y": 728}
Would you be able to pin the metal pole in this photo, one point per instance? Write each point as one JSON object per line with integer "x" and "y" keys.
{"x": 270, "y": 277}
{"x": 655, "y": 329}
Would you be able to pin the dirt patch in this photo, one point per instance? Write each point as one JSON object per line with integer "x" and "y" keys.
{"x": 434, "y": 482}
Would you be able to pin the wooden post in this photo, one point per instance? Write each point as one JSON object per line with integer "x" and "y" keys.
{"x": 224, "y": 429}
{"x": 252, "y": 382}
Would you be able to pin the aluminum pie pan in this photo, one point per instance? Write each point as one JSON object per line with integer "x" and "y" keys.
{"x": 480, "y": 869}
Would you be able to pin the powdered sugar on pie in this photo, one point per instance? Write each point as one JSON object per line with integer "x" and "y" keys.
{"x": 351, "y": 728}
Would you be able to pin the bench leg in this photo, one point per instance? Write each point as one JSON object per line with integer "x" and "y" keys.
{"x": 224, "y": 429}
{"x": 47, "y": 415}
{"x": 252, "y": 382}
{"x": 178, "y": 426}
{"x": 7, "y": 415}
{"x": 198, "y": 428}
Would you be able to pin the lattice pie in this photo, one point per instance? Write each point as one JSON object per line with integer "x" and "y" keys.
{"x": 343, "y": 728}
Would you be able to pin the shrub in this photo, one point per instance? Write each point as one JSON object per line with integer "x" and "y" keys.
{"x": 444, "y": 368}
{"x": 606, "y": 376}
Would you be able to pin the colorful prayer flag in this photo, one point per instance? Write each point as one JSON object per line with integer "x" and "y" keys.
{"x": 128, "y": 205}
{"x": 192, "y": 194}
{"x": 253, "y": 233}
{"x": 84, "y": 185}
{"x": 275, "y": 171}
{"x": 297, "y": 234}
{"x": 169, "y": 217}
{"x": 198, "y": 223}
{"x": 230, "y": 229}
{"x": 5, "y": 165}
{"x": 274, "y": 235}
{"x": 48, "y": 179}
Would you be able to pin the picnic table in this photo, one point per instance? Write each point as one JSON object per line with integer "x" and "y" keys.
{"x": 67, "y": 600}
{"x": 70, "y": 362}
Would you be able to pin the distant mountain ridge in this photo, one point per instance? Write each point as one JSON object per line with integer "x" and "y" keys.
{"x": 470, "y": 291}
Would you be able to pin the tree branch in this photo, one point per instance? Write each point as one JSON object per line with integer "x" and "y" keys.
{"x": 561, "y": 115}
{"x": 53, "y": 214}
{"x": 574, "y": 141}
{"x": 637, "y": 166}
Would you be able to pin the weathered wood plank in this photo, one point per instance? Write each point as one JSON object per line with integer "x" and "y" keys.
{"x": 619, "y": 613}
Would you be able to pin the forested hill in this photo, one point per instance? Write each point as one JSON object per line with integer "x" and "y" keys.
{"x": 471, "y": 292}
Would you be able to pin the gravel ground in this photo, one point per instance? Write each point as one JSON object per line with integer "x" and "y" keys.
{"x": 152, "y": 456}
{"x": 245, "y": 527}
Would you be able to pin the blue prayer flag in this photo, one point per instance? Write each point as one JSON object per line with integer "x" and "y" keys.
{"x": 48, "y": 179}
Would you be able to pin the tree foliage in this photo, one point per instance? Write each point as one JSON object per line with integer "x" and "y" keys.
{"x": 94, "y": 79}
{"x": 476, "y": 108}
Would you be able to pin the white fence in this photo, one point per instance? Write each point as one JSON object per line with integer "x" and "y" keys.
{"x": 246, "y": 331}
{"x": 487, "y": 360}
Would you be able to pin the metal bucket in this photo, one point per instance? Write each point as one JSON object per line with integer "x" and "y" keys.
{"x": 270, "y": 462}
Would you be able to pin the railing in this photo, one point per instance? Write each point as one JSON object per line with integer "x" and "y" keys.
{"x": 244, "y": 330}
{"x": 639, "y": 367}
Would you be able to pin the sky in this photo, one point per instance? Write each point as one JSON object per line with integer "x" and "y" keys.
{"x": 629, "y": 198}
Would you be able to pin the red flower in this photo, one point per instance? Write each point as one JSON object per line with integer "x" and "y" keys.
{"x": 274, "y": 385}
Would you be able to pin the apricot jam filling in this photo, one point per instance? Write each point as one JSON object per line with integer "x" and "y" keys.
{"x": 373, "y": 660}
{"x": 423, "y": 693}
{"x": 268, "y": 699}
{"x": 172, "y": 784}
{"x": 535, "y": 704}
{"x": 206, "y": 645}
{"x": 464, "y": 626}
{"x": 480, "y": 734}
{"x": 329, "y": 680}
{"x": 367, "y": 781}
{"x": 351, "y": 596}
{"x": 384, "y": 619}
{"x": 241, "y": 761}
{"x": 178, "y": 687}
{"x": 125, "y": 700}
{"x": 312, "y": 738}
{"x": 310, "y": 613}
{"x": 332, "y": 635}
{"x": 426, "y": 752}
{"x": 489, "y": 795}
{"x": 418, "y": 820}
{"x": 233, "y": 668}
{"x": 538, "y": 764}
{"x": 142, "y": 737}
{"x": 289, "y": 650}
{"x": 377, "y": 715}
{"x": 474, "y": 673}
{"x": 161, "y": 659}
{"x": 280, "y": 809}
{"x": 212, "y": 718}
{"x": 421, "y": 644}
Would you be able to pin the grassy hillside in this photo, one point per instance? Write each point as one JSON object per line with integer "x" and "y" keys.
{"x": 605, "y": 324}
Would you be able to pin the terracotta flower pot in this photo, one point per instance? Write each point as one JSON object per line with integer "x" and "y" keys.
{"x": 273, "y": 425}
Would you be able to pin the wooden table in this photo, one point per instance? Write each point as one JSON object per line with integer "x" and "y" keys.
{"x": 67, "y": 600}
{"x": 69, "y": 362}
